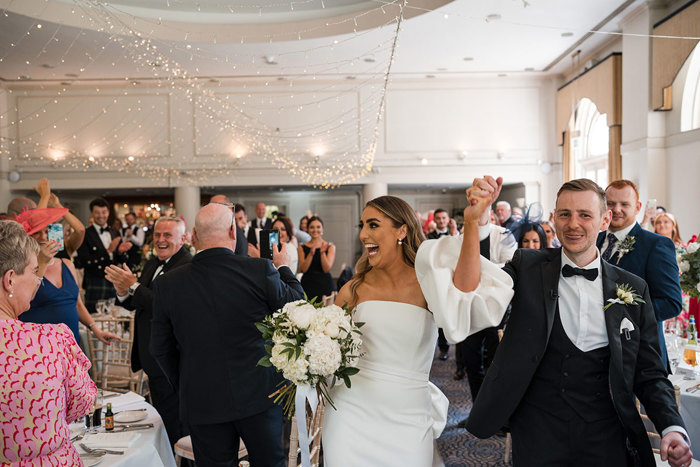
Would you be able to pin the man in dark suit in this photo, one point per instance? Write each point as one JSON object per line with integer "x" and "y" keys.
{"x": 204, "y": 338}
{"x": 241, "y": 242}
{"x": 261, "y": 221}
{"x": 169, "y": 253}
{"x": 136, "y": 235}
{"x": 643, "y": 253}
{"x": 567, "y": 370}
{"x": 443, "y": 226}
{"x": 102, "y": 246}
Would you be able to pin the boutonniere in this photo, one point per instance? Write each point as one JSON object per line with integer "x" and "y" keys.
{"x": 625, "y": 247}
{"x": 625, "y": 295}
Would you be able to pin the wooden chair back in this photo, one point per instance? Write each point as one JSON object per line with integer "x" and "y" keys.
{"x": 313, "y": 424}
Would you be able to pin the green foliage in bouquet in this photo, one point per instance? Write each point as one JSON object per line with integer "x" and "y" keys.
{"x": 689, "y": 264}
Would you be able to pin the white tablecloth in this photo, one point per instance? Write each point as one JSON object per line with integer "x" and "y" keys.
{"x": 152, "y": 449}
{"x": 690, "y": 409}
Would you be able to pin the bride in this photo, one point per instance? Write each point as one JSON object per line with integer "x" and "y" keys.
{"x": 392, "y": 413}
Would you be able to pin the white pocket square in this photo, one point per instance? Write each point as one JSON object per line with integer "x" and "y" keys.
{"x": 626, "y": 325}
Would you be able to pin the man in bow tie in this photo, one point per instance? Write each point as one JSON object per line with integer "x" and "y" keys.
{"x": 133, "y": 294}
{"x": 651, "y": 257}
{"x": 102, "y": 246}
{"x": 567, "y": 372}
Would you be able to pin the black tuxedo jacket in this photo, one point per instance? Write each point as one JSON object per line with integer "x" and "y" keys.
{"x": 267, "y": 224}
{"x": 635, "y": 364}
{"x": 241, "y": 242}
{"x": 142, "y": 302}
{"x": 204, "y": 337}
{"x": 93, "y": 256}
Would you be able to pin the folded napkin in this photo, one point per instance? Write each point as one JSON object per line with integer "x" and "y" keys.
{"x": 110, "y": 440}
{"x": 124, "y": 400}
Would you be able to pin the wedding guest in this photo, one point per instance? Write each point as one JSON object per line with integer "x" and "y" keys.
{"x": 549, "y": 231}
{"x": 532, "y": 236}
{"x": 133, "y": 233}
{"x": 304, "y": 224}
{"x": 241, "y": 241}
{"x": 504, "y": 214}
{"x": 643, "y": 253}
{"x": 567, "y": 371}
{"x": 261, "y": 220}
{"x": 58, "y": 298}
{"x": 102, "y": 246}
{"x": 133, "y": 294}
{"x": 284, "y": 225}
{"x": 45, "y": 382}
{"x": 667, "y": 226}
{"x": 316, "y": 259}
{"x": 73, "y": 230}
{"x": 205, "y": 340}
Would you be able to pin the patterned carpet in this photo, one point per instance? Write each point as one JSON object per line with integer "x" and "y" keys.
{"x": 459, "y": 448}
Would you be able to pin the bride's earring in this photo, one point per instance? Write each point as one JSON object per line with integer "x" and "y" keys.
{"x": 10, "y": 295}
{"x": 400, "y": 241}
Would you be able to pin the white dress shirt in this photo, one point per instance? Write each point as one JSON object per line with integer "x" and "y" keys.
{"x": 581, "y": 307}
{"x": 156, "y": 273}
{"x": 105, "y": 236}
{"x": 620, "y": 235}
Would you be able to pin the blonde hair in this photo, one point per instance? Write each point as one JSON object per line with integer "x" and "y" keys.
{"x": 15, "y": 247}
{"x": 675, "y": 232}
{"x": 400, "y": 213}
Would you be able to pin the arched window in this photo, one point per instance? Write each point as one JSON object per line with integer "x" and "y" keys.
{"x": 690, "y": 105}
{"x": 590, "y": 143}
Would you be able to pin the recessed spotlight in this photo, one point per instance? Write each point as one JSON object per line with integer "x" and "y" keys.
{"x": 493, "y": 17}
{"x": 91, "y": 159}
{"x": 424, "y": 161}
{"x": 131, "y": 158}
{"x": 71, "y": 75}
{"x": 66, "y": 83}
{"x": 270, "y": 59}
{"x": 47, "y": 66}
{"x": 441, "y": 69}
{"x": 430, "y": 76}
{"x": 529, "y": 69}
{"x": 370, "y": 59}
{"x": 134, "y": 83}
{"x": 502, "y": 75}
{"x": 214, "y": 80}
{"x": 567, "y": 34}
{"x": 156, "y": 64}
{"x": 281, "y": 78}
{"x": 350, "y": 77}
{"x": 468, "y": 59}
{"x": 24, "y": 77}
{"x": 39, "y": 26}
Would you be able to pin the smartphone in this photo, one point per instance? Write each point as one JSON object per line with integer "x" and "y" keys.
{"x": 651, "y": 207}
{"x": 268, "y": 238}
{"x": 55, "y": 232}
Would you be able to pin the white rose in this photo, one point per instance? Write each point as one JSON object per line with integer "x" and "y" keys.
{"x": 332, "y": 330}
{"x": 684, "y": 266}
{"x": 698, "y": 287}
{"x": 291, "y": 305}
{"x": 627, "y": 297}
{"x": 302, "y": 316}
{"x": 324, "y": 355}
{"x": 692, "y": 247}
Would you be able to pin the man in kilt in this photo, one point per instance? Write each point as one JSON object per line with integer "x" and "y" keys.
{"x": 102, "y": 246}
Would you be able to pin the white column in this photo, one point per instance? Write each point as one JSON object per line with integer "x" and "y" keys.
{"x": 373, "y": 190}
{"x": 5, "y": 193}
{"x": 187, "y": 201}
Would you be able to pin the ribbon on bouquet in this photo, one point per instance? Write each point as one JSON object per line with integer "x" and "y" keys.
{"x": 304, "y": 393}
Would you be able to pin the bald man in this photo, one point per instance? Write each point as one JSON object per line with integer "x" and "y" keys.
{"x": 241, "y": 242}
{"x": 204, "y": 338}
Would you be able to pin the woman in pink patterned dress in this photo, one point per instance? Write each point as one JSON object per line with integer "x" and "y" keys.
{"x": 44, "y": 381}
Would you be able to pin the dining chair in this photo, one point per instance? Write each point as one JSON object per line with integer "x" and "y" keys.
{"x": 313, "y": 424}
{"x": 653, "y": 435}
{"x": 329, "y": 299}
{"x": 183, "y": 450}
{"x": 116, "y": 371}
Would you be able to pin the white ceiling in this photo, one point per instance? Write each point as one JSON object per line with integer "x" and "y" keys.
{"x": 204, "y": 37}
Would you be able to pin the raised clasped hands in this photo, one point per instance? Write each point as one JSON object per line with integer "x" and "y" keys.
{"x": 483, "y": 192}
{"x": 675, "y": 450}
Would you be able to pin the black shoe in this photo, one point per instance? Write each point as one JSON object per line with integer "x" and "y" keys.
{"x": 463, "y": 423}
{"x": 443, "y": 355}
{"x": 459, "y": 374}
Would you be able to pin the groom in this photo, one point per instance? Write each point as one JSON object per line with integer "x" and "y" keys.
{"x": 567, "y": 370}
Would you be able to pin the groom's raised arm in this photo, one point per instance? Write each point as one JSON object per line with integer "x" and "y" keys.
{"x": 479, "y": 198}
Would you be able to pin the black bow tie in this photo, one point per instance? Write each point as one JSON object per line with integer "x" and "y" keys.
{"x": 161, "y": 262}
{"x": 589, "y": 274}
{"x": 103, "y": 230}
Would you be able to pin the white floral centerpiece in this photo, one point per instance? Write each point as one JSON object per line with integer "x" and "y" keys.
{"x": 309, "y": 343}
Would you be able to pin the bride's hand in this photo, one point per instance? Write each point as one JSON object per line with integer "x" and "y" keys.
{"x": 480, "y": 196}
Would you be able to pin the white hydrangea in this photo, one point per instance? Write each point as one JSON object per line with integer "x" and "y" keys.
{"x": 684, "y": 266}
{"x": 296, "y": 371}
{"x": 302, "y": 316}
{"x": 324, "y": 355}
{"x": 698, "y": 287}
{"x": 692, "y": 247}
{"x": 277, "y": 359}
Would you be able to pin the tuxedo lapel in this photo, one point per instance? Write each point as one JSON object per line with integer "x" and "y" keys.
{"x": 613, "y": 318}
{"x": 550, "y": 286}
{"x": 601, "y": 239}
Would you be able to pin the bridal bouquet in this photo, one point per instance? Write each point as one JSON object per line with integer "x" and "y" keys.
{"x": 308, "y": 343}
{"x": 689, "y": 265}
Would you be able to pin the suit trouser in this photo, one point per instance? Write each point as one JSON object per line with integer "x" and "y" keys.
{"x": 216, "y": 445}
{"x": 167, "y": 403}
{"x": 541, "y": 439}
{"x": 443, "y": 345}
{"x": 475, "y": 354}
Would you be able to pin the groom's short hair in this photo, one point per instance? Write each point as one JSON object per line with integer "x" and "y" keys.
{"x": 585, "y": 184}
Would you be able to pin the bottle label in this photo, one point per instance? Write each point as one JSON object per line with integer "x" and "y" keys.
{"x": 109, "y": 423}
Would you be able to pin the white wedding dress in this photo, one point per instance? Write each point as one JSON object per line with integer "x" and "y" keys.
{"x": 392, "y": 413}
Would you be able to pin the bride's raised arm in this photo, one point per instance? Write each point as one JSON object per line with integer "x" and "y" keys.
{"x": 465, "y": 292}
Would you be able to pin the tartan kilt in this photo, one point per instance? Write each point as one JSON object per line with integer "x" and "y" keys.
{"x": 96, "y": 288}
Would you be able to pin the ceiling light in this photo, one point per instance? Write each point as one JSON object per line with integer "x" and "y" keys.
{"x": 156, "y": 64}
{"x": 529, "y": 69}
{"x": 349, "y": 77}
{"x": 441, "y": 69}
{"x": 502, "y": 75}
{"x": 213, "y": 80}
{"x": 47, "y": 66}
{"x": 71, "y": 75}
{"x": 91, "y": 159}
{"x": 39, "y": 26}
{"x": 567, "y": 34}
{"x": 462, "y": 155}
{"x": 131, "y": 158}
{"x": 430, "y": 76}
{"x": 24, "y": 77}
{"x": 468, "y": 59}
{"x": 66, "y": 83}
{"x": 424, "y": 161}
{"x": 370, "y": 59}
{"x": 493, "y": 17}
{"x": 270, "y": 59}
{"x": 281, "y": 78}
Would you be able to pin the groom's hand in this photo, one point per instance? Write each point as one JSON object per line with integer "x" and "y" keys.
{"x": 675, "y": 450}
{"x": 480, "y": 196}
